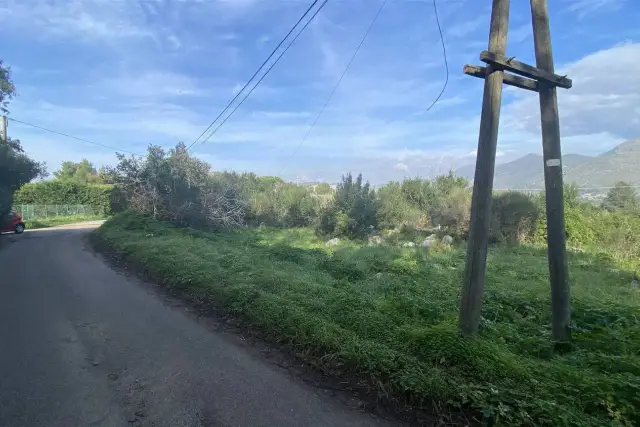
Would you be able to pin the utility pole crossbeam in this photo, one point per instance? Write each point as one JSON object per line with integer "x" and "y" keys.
{"x": 541, "y": 79}
{"x": 523, "y": 69}
{"x": 508, "y": 79}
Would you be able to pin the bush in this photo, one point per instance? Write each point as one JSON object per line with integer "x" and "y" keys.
{"x": 99, "y": 196}
{"x": 271, "y": 201}
{"x": 416, "y": 202}
{"x": 353, "y": 212}
{"x": 514, "y": 217}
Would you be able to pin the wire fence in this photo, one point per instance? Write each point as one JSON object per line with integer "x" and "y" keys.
{"x": 51, "y": 211}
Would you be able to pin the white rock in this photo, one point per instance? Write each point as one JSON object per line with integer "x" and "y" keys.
{"x": 376, "y": 241}
{"x": 447, "y": 240}
{"x": 333, "y": 242}
{"x": 408, "y": 245}
{"x": 428, "y": 243}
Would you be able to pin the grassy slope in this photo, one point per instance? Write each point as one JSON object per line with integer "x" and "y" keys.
{"x": 390, "y": 314}
{"x": 33, "y": 224}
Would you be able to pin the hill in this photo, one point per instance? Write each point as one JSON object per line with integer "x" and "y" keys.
{"x": 604, "y": 170}
{"x": 525, "y": 172}
{"x": 620, "y": 164}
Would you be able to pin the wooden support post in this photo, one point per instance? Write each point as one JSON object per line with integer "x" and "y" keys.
{"x": 473, "y": 286}
{"x": 558, "y": 272}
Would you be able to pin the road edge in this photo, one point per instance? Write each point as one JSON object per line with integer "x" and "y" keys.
{"x": 350, "y": 390}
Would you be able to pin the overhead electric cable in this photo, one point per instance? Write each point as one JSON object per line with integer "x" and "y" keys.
{"x": 73, "y": 137}
{"x": 337, "y": 85}
{"x": 295, "y": 26}
{"x": 446, "y": 62}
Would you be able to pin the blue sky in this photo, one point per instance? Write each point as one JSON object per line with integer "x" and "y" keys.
{"x": 128, "y": 73}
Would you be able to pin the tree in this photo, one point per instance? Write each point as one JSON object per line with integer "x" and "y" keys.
{"x": 16, "y": 168}
{"x": 621, "y": 196}
{"x": 82, "y": 172}
{"x": 354, "y": 210}
{"x": 323, "y": 188}
{"x": 176, "y": 187}
{"x": 7, "y": 89}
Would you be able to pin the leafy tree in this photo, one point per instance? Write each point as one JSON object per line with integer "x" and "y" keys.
{"x": 82, "y": 172}
{"x": 173, "y": 186}
{"x": 353, "y": 211}
{"x": 16, "y": 168}
{"x": 622, "y": 196}
{"x": 323, "y": 188}
{"x": 7, "y": 89}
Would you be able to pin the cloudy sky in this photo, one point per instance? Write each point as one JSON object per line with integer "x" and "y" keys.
{"x": 128, "y": 73}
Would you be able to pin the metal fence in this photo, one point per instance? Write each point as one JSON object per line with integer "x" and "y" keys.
{"x": 51, "y": 211}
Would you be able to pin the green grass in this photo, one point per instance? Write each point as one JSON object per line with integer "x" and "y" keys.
{"x": 390, "y": 315}
{"x": 33, "y": 224}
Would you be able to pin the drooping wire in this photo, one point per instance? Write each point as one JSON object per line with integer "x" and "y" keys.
{"x": 337, "y": 85}
{"x": 446, "y": 62}
{"x": 214, "y": 131}
{"x": 295, "y": 26}
{"x": 74, "y": 137}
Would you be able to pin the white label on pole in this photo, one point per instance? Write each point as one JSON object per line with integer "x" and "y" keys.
{"x": 553, "y": 162}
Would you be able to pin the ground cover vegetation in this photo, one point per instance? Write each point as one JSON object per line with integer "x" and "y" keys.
{"x": 349, "y": 282}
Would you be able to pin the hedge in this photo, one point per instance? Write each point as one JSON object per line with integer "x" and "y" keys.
{"x": 99, "y": 196}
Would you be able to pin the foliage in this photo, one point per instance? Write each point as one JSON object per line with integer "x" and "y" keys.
{"x": 100, "y": 197}
{"x": 515, "y": 217}
{"x": 416, "y": 202}
{"x": 82, "y": 172}
{"x": 389, "y": 315}
{"x": 176, "y": 187}
{"x": 16, "y": 168}
{"x": 353, "y": 212}
{"x": 323, "y": 188}
{"x": 622, "y": 196}
{"x": 7, "y": 88}
{"x": 271, "y": 201}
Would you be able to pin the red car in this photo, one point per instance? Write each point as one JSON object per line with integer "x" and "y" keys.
{"x": 13, "y": 223}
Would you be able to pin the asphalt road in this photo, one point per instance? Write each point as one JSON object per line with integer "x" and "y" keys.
{"x": 83, "y": 345}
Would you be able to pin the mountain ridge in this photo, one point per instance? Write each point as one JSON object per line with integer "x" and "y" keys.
{"x": 622, "y": 163}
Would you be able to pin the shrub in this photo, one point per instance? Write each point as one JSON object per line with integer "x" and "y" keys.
{"x": 273, "y": 202}
{"x": 514, "y": 217}
{"x": 353, "y": 212}
{"x": 98, "y": 196}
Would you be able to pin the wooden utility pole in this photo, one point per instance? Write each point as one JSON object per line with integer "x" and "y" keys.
{"x": 473, "y": 286}
{"x": 553, "y": 183}
{"x": 538, "y": 79}
{"x": 3, "y": 128}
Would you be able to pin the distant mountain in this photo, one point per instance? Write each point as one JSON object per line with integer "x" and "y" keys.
{"x": 525, "y": 172}
{"x": 620, "y": 164}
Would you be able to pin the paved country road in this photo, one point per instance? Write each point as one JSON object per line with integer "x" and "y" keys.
{"x": 82, "y": 345}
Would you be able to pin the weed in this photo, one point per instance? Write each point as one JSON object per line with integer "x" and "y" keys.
{"x": 390, "y": 314}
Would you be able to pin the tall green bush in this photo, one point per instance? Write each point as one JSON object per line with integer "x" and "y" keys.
{"x": 100, "y": 197}
{"x": 354, "y": 210}
{"x": 514, "y": 217}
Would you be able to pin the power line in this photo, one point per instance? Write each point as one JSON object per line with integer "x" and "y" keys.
{"x": 214, "y": 131}
{"x": 446, "y": 62}
{"x": 260, "y": 69}
{"x": 335, "y": 88}
{"x": 73, "y": 137}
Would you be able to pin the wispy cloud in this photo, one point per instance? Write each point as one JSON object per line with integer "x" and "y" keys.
{"x": 585, "y": 8}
